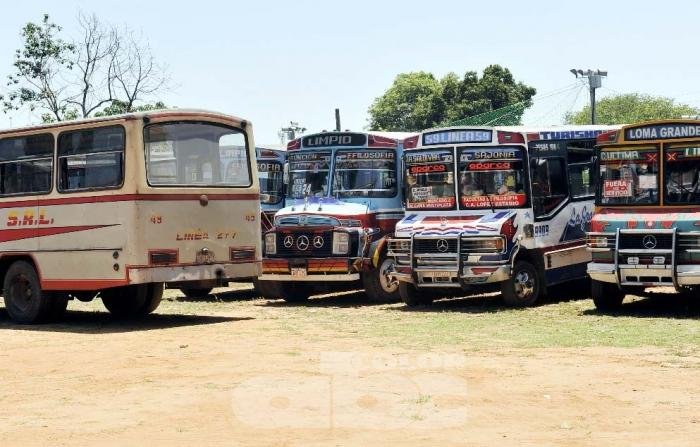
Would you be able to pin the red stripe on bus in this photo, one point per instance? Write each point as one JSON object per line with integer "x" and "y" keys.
{"x": 126, "y": 198}
{"x": 28, "y": 233}
{"x": 82, "y": 284}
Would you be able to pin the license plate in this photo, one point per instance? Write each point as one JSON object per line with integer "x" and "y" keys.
{"x": 298, "y": 271}
{"x": 205, "y": 258}
{"x": 633, "y": 260}
{"x": 437, "y": 274}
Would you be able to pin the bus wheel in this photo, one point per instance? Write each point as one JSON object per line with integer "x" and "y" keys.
{"x": 132, "y": 301}
{"x": 24, "y": 300}
{"x": 267, "y": 289}
{"x": 523, "y": 287}
{"x": 606, "y": 295}
{"x": 293, "y": 292}
{"x": 412, "y": 297}
{"x": 196, "y": 292}
{"x": 377, "y": 284}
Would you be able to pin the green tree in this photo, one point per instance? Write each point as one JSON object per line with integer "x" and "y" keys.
{"x": 418, "y": 100}
{"x": 631, "y": 108}
{"x": 119, "y": 107}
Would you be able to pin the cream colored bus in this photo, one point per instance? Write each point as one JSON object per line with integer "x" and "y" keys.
{"x": 119, "y": 207}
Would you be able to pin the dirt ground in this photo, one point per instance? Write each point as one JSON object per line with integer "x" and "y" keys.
{"x": 237, "y": 370}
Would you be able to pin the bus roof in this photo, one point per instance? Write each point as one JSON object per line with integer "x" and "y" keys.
{"x": 163, "y": 113}
{"x": 666, "y": 130}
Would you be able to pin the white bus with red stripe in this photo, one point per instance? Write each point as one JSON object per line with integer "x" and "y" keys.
{"x": 118, "y": 207}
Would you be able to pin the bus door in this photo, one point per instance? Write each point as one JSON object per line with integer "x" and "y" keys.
{"x": 563, "y": 190}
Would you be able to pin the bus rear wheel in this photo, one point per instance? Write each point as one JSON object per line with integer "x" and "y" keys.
{"x": 25, "y": 302}
{"x": 133, "y": 301}
{"x": 606, "y": 295}
{"x": 377, "y": 284}
{"x": 196, "y": 292}
{"x": 523, "y": 287}
{"x": 413, "y": 297}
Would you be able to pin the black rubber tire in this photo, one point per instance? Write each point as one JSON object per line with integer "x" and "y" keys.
{"x": 267, "y": 289}
{"x": 294, "y": 292}
{"x": 413, "y": 297}
{"x": 132, "y": 301}
{"x": 606, "y": 296}
{"x": 377, "y": 285}
{"x": 24, "y": 300}
{"x": 524, "y": 286}
{"x": 196, "y": 292}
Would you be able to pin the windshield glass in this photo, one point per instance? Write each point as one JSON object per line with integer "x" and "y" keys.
{"x": 271, "y": 177}
{"x": 430, "y": 179}
{"x": 365, "y": 173}
{"x": 682, "y": 174}
{"x": 491, "y": 177}
{"x": 196, "y": 154}
{"x": 308, "y": 174}
{"x": 629, "y": 176}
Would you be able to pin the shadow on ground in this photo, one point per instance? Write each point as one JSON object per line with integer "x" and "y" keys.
{"x": 656, "y": 305}
{"x": 347, "y": 299}
{"x": 104, "y": 323}
{"x": 223, "y": 297}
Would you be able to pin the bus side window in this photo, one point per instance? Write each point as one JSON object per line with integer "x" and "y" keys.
{"x": 26, "y": 164}
{"x": 581, "y": 179}
{"x": 91, "y": 158}
{"x": 549, "y": 185}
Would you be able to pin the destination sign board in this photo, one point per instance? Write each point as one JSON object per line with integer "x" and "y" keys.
{"x": 457, "y": 136}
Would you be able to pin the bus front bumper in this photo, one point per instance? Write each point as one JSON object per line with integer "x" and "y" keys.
{"x": 220, "y": 273}
{"x": 645, "y": 275}
{"x": 311, "y": 269}
{"x": 471, "y": 275}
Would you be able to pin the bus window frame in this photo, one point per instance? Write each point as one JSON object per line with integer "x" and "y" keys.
{"x": 185, "y": 185}
{"x": 567, "y": 198}
{"x": 100, "y": 188}
{"x": 663, "y": 185}
{"x": 525, "y": 175}
{"x": 54, "y": 162}
{"x": 284, "y": 185}
{"x": 368, "y": 149}
{"x": 405, "y": 166}
{"x": 628, "y": 146}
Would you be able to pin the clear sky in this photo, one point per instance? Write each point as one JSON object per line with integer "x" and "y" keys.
{"x": 276, "y": 61}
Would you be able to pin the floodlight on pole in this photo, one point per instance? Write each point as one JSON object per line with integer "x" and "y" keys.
{"x": 595, "y": 80}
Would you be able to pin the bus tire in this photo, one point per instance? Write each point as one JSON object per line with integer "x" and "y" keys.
{"x": 377, "y": 284}
{"x": 267, "y": 289}
{"x": 196, "y": 292}
{"x": 294, "y": 292}
{"x": 24, "y": 300}
{"x": 132, "y": 301}
{"x": 606, "y": 296}
{"x": 413, "y": 297}
{"x": 523, "y": 287}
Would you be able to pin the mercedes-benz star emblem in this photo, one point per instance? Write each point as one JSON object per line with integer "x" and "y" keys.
{"x": 318, "y": 241}
{"x": 303, "y": 243}
{"x": 649, "y": 242}
{"x": 442, "y": 245}
{"x": 288, "y": 241}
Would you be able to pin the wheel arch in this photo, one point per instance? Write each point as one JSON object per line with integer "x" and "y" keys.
{"x": 8, "y": 259}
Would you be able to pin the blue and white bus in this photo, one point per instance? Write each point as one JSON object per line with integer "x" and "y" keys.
{"x": 272, "y": 186}
{"x": 505, "y": 207}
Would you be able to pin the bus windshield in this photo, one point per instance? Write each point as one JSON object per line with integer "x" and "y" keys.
{"x": 430, "y": 179}
{"x": 308, "y": 174}
{"x": 682, "y": 175}
{"x": 271, "y": 182}
{"x": 629, "y": 176}
{"x": 364, "y": 173}
{"x": 491, "y": 177}
{"x": 196, "y": 154}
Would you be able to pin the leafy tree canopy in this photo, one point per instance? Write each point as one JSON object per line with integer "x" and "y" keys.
{"x": 418, "y": 100}
{"x": 631, "y": 108}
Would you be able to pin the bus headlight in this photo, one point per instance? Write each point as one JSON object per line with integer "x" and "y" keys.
{"x": 341, "y": 243}
{"x": 271, "y": 243}
{"x": 597, "y": 241}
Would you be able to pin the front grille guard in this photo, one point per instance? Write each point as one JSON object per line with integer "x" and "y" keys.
{"x": 671, "y": 251}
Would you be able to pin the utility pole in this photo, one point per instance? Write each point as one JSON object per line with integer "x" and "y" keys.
{"x": 290, "y": 132}
{"x": 337, "y": 120}
{"x": 595, "y": 80}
